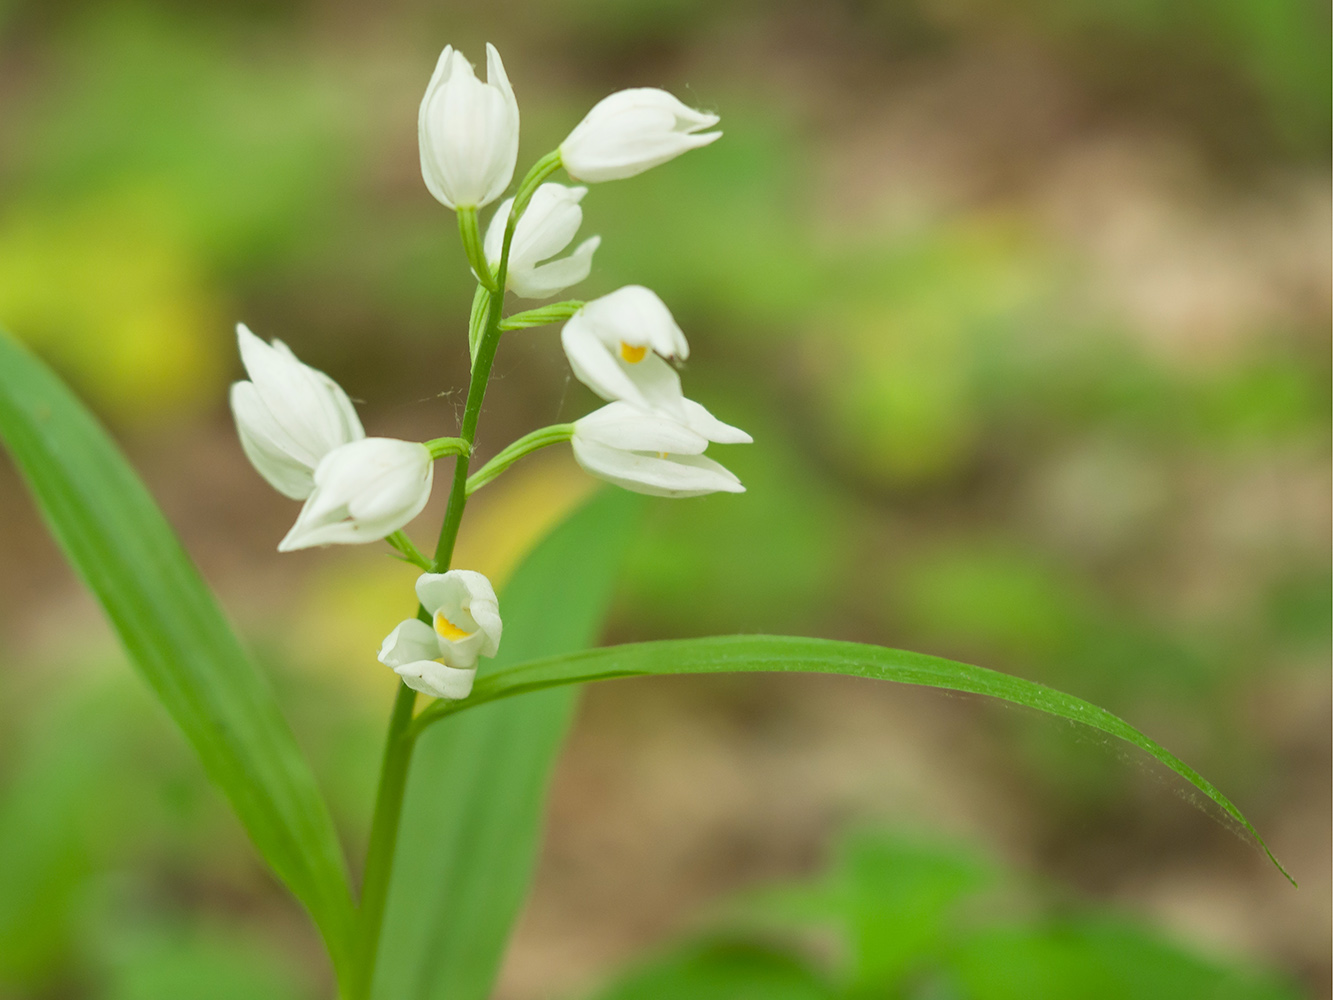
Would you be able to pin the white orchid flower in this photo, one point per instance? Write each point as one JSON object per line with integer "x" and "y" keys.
{"x": 289, "y": 416}
{"x": 632, "y": 131}
{"x": 468, "y": 131}
{"x": 616, "y": 346}
{"x": 546, "y": 228}
{"x": 363, "y": 492}
{"x": 440, "y": 659}
{"x": 655, "y": 454}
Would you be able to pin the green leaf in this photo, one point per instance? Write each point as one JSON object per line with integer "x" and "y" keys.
{"x": 723, "y": 970}
{"x": 896, "y": 898}
{"x": 761, "y": 653}
{"x": 476, "y": 792}
{"x": 476, "y": 324}
{"x": 1096, "y": 958}
{"x": 121, "y": 545}
{"x": 556, "y": 312}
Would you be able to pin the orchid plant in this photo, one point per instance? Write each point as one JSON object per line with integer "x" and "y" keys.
{"x": 454, "y": 829}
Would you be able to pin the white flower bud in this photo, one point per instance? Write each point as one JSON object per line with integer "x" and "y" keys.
{"x": 655, "y": 454}
{"x": 440, "y": 659}
{"x": 468, "y": 131}
{"x": 544, "y": 230}
{"x": 632, "y": 131}
{"x": 288, "y": 416}
{"x": 616, "y": 346}
{"x": 363, "y": 491}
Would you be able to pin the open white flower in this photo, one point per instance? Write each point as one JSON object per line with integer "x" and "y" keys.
{"x": 545, "y": 229}
{"x": 288, "y": 416}
{"x": 468, "y": 131}
{"x": 363, "y": 492}
{"x": 440, "y": 659}
{"x": 632, "y": 131}
{"x": 655, "y": 454}
{"x": 616, "y": 346}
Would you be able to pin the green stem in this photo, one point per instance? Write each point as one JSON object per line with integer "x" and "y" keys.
{"x": 481, "y": 373}
{"x": 526, "y": 445}
{"x": 472, "y": 246}
{"x": 383, "y": 838}
{"x": 483, "y": 359}
{"x": 541, "y": 170}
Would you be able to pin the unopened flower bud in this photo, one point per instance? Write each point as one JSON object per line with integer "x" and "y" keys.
{"x": 632, "y": 131}
{"x": 468, "y": 131}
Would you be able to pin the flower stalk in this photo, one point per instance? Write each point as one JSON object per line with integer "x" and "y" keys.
{"x": 526, "y": 445}
{"x": 408, "y": 550}
{"x": 470, "y": 234}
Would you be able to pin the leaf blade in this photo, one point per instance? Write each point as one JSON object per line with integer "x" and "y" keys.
{"x": 785, "y": 654}
{"x": 167, "y": 618}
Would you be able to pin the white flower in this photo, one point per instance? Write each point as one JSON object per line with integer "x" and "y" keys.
{"x": 616, "y": 346}
{"x": 440, "y": 659}
{"x": 654, "y": 454}
{"x": 363, "y": 491}
{"x": 631, "y": 131}
{"x": 545, "y": 229}
{"x": 468, "y": 131}
{"x": 288, "y": 416}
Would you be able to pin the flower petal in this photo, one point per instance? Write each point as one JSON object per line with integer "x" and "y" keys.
{"x": 363, "y": 491}
{"x": 311, "y": 410}
{"x": 437, "y": 680}
{"x": 410, "y": 641}
{"x": 594, "y": 365}
{"x": 637, "y": 316}
{"x": 546, "y": 280}
{"x": 628, "y": 428}
{"x": 672, "y": 476}
{"x": 266, "y": 446}
{"x": 702, "y": 422}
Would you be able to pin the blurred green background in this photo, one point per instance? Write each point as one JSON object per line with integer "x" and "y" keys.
{"x": 1026, "y": 303}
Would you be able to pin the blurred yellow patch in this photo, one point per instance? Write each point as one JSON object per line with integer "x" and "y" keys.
{"x": 111, "y": 294}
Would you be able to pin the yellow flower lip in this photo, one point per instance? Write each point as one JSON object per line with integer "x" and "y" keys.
{"x": 446, "y": 629}
{"x": 632, "y": 354}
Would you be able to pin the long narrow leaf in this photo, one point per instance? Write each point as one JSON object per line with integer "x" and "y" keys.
{"x": 121, "y": 545}
{"x": 759, "y": 653}
{"x": 477, "y": 790}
